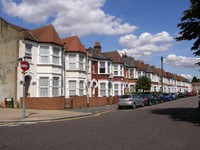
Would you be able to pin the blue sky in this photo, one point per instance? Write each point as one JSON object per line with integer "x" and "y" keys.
{"x": 143, "y": 29}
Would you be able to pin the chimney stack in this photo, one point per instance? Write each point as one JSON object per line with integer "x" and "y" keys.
{"x": 97, "y": 47}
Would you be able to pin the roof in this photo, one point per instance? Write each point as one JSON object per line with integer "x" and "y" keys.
{"x": 46, "y": 34}
{"x": 96, "y": 55}
{"x": 74, "y": 44}
{"x": 140, "y": 65}
{"x": 129, "y": 61}
{"x": 114, "y": 56}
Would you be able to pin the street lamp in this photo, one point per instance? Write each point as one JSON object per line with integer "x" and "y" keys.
{"x": 161, "y": 74}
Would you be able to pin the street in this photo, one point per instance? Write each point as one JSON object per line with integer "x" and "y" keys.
{"x": 173, "y": 125}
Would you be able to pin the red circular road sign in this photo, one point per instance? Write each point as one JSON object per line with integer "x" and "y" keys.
{"x": 25, "y": 65}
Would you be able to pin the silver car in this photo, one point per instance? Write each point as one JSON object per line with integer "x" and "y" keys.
{"x": 130, "y": 100}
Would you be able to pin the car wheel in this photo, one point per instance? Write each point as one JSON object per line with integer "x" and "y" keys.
{"x": 119, "y": 107}
{"x": 134, "y": 106}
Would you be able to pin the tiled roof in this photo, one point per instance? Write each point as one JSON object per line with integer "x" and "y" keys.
{"x": 46, "y": 34}
{"x": 96, "y": 55}
{"x": 73, "y": 44}
{"x": 148, "y": 68}
{"x": 129, "y": 61}
{"x": 114, "y": 56}
{"x": 140, "y": 65}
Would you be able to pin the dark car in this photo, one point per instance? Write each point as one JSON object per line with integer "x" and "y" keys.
{"x": 182, "y": 95}
{"x": 167, "y": 97}
{"x": 158, "y": 98}
{"x": 175, "y": 96}
{"x": 149, "y": 99}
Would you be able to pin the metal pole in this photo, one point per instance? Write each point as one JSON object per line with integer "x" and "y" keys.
{"x": 23, "y": 102}
{"x": 87, "y": 95}
{"x": 161, "y": 74}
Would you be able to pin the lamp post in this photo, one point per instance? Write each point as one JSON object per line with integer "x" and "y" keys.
{"x": 161, "y": 74}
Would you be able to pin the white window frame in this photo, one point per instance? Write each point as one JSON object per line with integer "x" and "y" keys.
{"x": 28, "y": 52}
{"x": 102, "y": 65}
{"x": 55, "y": 87}
{"x": 72, "y": 63}
{"x": 109, "y": 68}
{"x": 81, "y": 88}
{"x": 102, "y": 89}
{"x": 116, "y": 89}
{"x": 131, "y": 73}
{"x": 44, "y": 55}
{"x": 56, "y": 56}
{"x": 44, "y": 86}
{"x": 115, "y": 69}
{"x": 72, "y": 87}
{"x": 81, "y": 62}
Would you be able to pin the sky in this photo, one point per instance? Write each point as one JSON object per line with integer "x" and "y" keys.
{"x": 143, "y": 29}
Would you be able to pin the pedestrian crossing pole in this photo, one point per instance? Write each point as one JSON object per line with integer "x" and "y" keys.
{"x": 23, "y": 101}
{"x": 24, "y": 66}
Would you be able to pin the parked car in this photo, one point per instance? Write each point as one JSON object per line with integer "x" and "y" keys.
{"x": 158, "y": 98}
{"x": 149, "y": 99}
{"x": 175, "y": 96}
{"x": 167, "y": 97}
{"x": 193, "y": 93}
{"x": 130, "y": 100}
{"x": 182, "y": 95}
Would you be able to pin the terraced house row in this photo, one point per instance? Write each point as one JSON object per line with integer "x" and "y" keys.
{"x": 64, "y": 67}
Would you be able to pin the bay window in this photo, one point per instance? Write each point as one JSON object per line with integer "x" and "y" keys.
{"x": 55, "y": 88}
{"x": 81, "y": 87}
{"x": 81, "y": 62}
{"x": 72, "y": 61}
{"x": 116, "y": 89}
{"x": 72, "y": 88}
{"x": 44, "y": 86}
{"x": 56, "y": 55}
{"x": 44, "y": 54}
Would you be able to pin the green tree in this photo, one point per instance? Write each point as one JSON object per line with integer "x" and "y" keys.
{"x": 143, "y": 83}
{"x": 190, "y": 26}
{"x": 195, "y": 79}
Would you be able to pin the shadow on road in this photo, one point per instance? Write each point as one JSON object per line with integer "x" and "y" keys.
{"x": 180, "y": 114}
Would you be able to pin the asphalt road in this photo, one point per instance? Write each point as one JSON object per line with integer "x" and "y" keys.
{"x": 168, "y": 126}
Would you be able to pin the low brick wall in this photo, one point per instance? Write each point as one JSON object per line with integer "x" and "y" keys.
{"x": 81, "y": 102}
{"x": 48, "y": 103}
{"x": 61, "y": 103}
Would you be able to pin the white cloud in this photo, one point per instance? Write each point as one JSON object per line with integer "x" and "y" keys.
{"x": 189, "y": 77}
{"x": 145, "y": 44}
{"x": 80, "y": 17}
{"x": 181, "y": 61}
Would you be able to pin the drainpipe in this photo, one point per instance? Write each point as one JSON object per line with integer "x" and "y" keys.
{"x": 64, "y": 70}
{"x": 87, "y": 89}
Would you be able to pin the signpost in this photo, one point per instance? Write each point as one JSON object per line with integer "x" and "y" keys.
{"x": 24, "y": 66}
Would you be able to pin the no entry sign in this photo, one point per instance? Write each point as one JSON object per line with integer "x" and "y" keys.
{"x": 25, "y": 65}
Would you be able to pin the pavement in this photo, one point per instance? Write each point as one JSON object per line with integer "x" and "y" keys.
{"x": 9, "y": 115}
